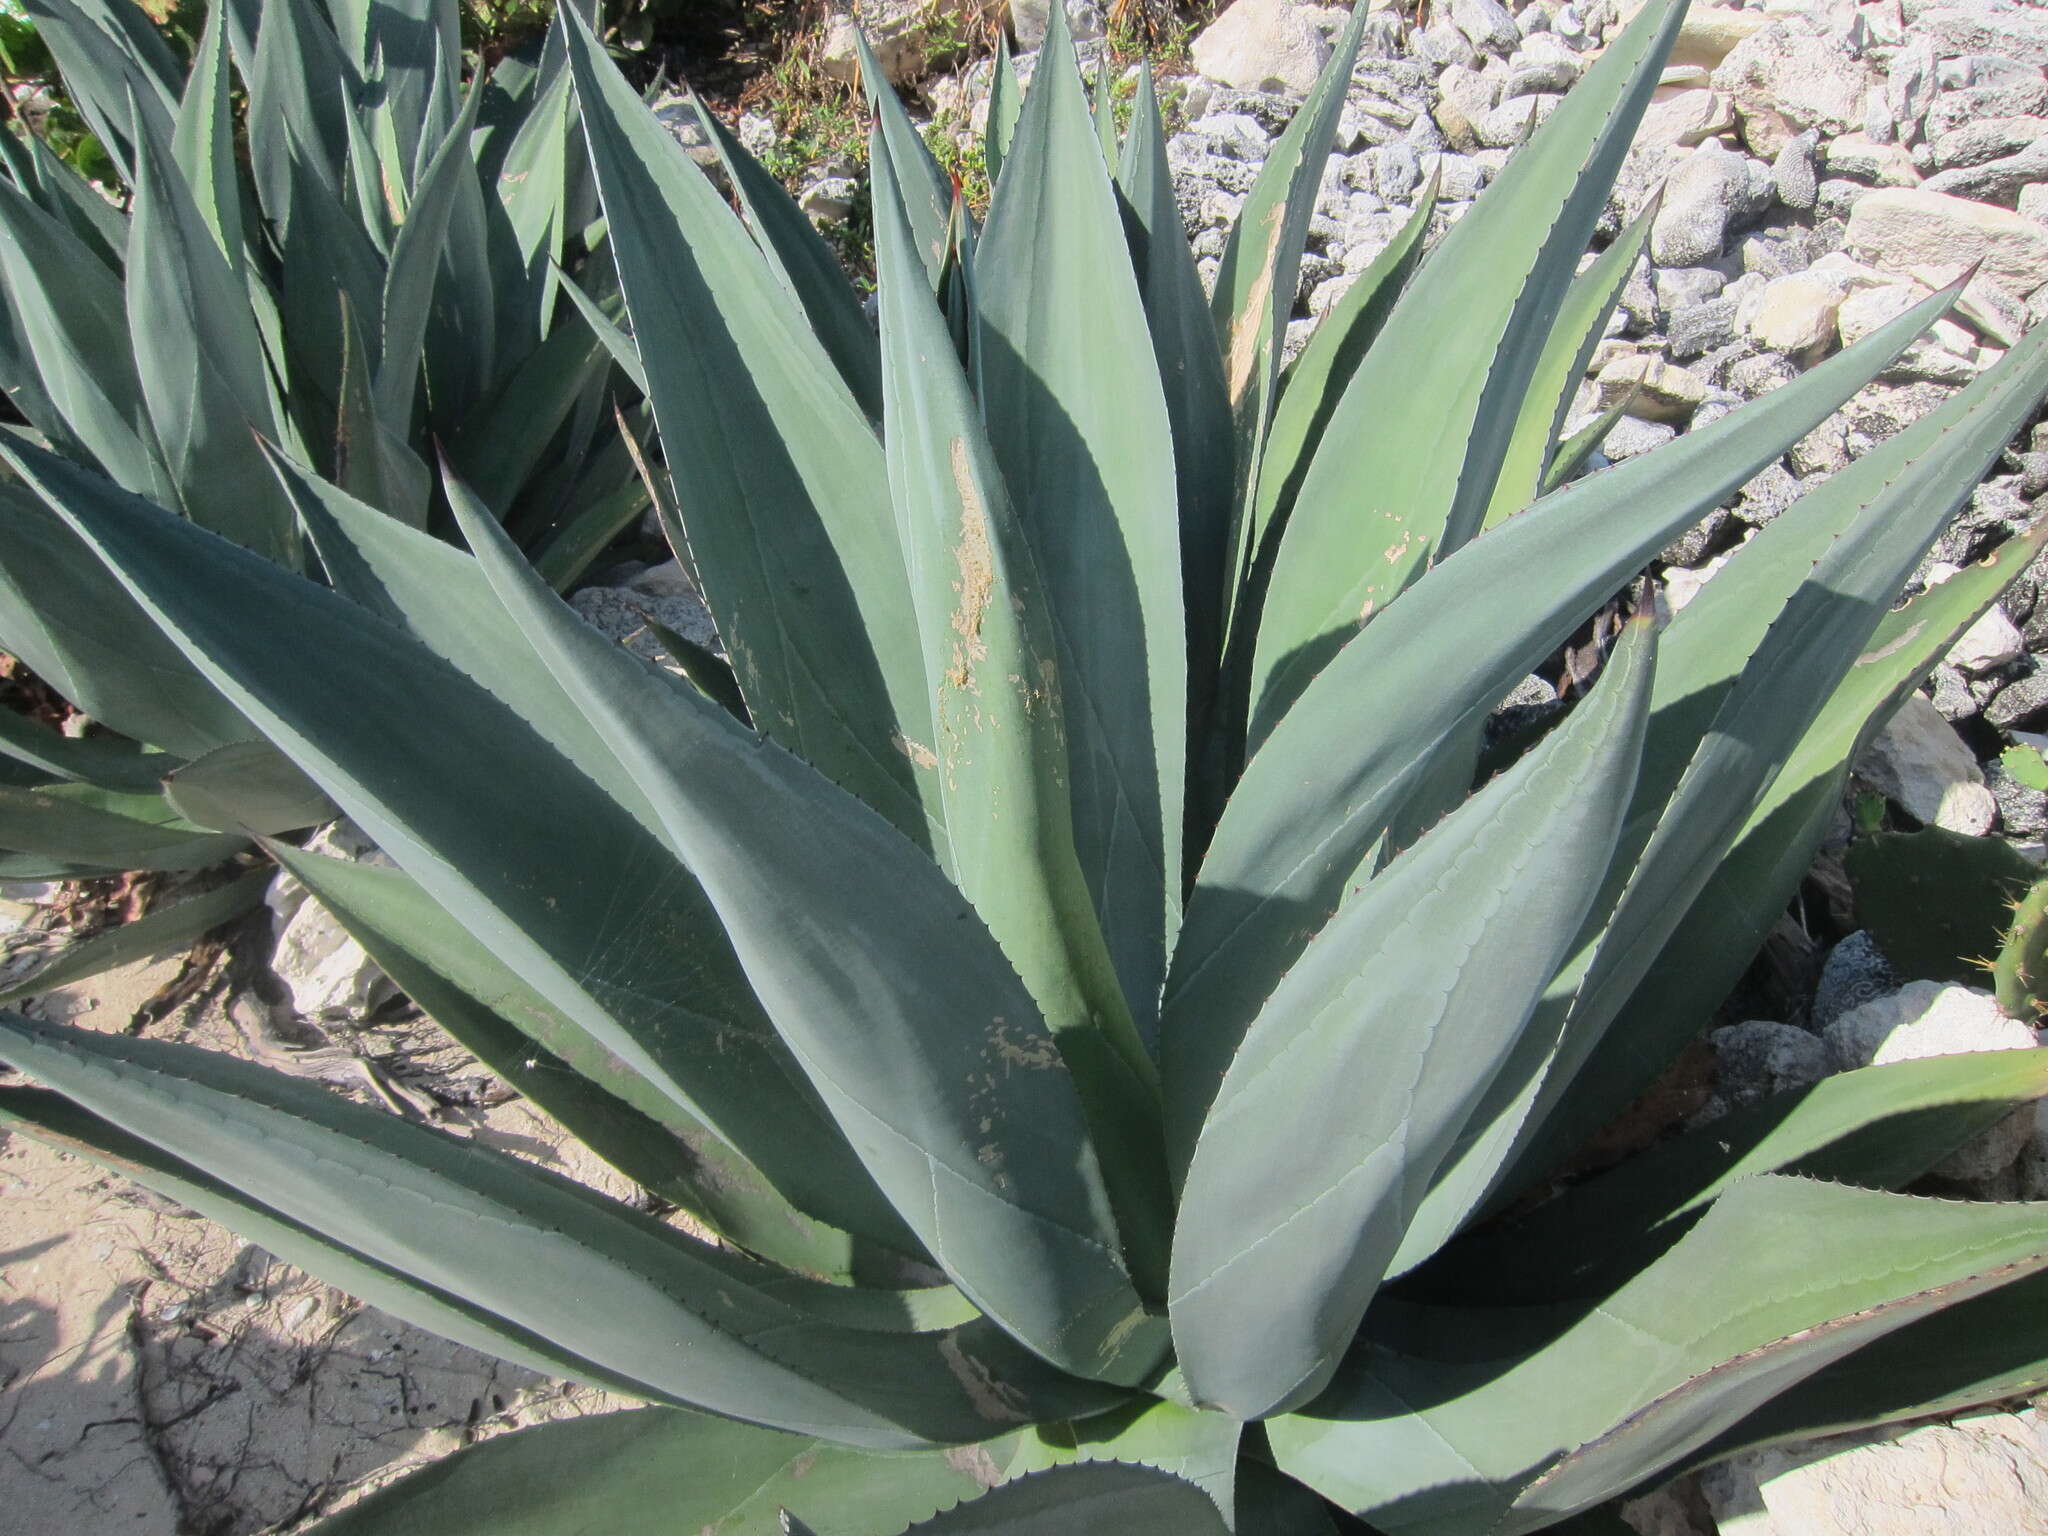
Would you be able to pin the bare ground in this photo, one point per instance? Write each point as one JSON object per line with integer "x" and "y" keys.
{"x": 161, "y": 1377}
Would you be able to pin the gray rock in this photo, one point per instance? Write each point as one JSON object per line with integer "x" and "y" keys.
{"x": 1197, "y": 173}
{"x": 1632, "y": 438}
{"x": 1407, "y": 80}
{"x": 1878, "y": 126}
{"x": 1993, "y": 641}
{"x": 1955, "y": 703}
{"x": 1858, "y": 158}
{"x": 1487, "y": 25}
{"x": 1985, "y": 1472}
{"x": 679, "y": 117}
{"x": 1396, "y": 170}
{"x": 1759, "y": 1058}
{"x": 1512, "y": 122}
{"x": 1899, "y": 228}
{"x": 1785, "y": 78}
{"x": 1795, "y": 315}
{"x": 1465, "y": 97}
{"x": 1699, "y": 329}
{"x": 2022, "y": 812}
{"x": 1793, "y": 174}
{"x": 1982, "y": 69}
{"x": 1238, "y": 135}
{"x": 1530, "y": 690}
{"x": 1769, "y": 493}
{"x": 2033, "y": 474}
{"x": 1953, "y": 109}
{"x": 1381, "y": 121}
{"x": 2020, "y": 705}
{"x": 1760, "y": 373}
{"x": 1532, "y": 701}
{"x": 1855, "y": 972}
{"x": 1029, "y": 19}
{"x": 1837, "y": 197}
{"x": 1441, "y": 43}
{"x": 1677, "y": 288}
{"x": 1697, "y": 542}
{"x": 1700, "y": 199}
{"x": 1996, "y": 181}
{"x": 1909, "y": 88}
{"x": 2020, "y": 598}
{"x": 1995, "y": 512}
{"x": 622, "y": 614}
{"x": 1272, "y": 110}
{"x": 1541, "y": 77}
{"x": 829, "y": 200}
{"x": 1295, "y": 339}
{"x": 1328, "y": 292}
{"x": 327, "y": 973}
{"x": 1879, "y": 412}
{"x": 1823, "y": 451}
{"x": 1775, "y": 252}
{"x": 902, "y": 34}
{"x": 1461, "y": 177}
{"x": 1656, "y": 390}
{"x": 1315, "y": 271}
{"x": 1638, "y": 302}
{"x": 1719, "y": 402}
{"x": 1989, "y": 138}
{"x": 2019, "y": 34}
{"x": 757, "y": 133}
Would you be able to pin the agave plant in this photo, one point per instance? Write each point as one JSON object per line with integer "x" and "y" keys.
{"x": 1124, "y": 1060}
{"x": 386, "y": 272}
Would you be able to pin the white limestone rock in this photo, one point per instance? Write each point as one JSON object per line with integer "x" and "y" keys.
{"x": 1930, "y": 1018}
{"x": 1985, "y": 1473}
{"x": 1787, "y": 77}
{"x": 1900, "y": 228}
{"x": 1263, "y": 45}
{"x": 1921, "y": 764}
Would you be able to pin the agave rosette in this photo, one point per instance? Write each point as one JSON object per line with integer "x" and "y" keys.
{"x": 381, "y": 271}
{"x": 1065, "y": 955}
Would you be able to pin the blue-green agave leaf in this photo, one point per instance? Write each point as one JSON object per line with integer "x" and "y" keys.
{"x": 201, "y": 363}
{"x": 510, "y": 829}
{"x": 1428, "y": 419}
{"x": 1460, "y": 1421}
{"x": 1082, "y": 435}
{"x": 1377, "y": 1045}
{"x": 519, "y": 1035}
{"x": 1315, "y": 802}
{"x": 1001, "y": 729}
{"x": 664, "y": 1469}
{"x": 690, "y": 1322}
{"x": 786, "y": 493}
{"x": 976, "y": 1133}
{"x": 163, "y": 931}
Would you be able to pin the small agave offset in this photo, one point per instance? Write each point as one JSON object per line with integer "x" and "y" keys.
{"x": 382, "y": 271}
{"x": 1082, "y": 958}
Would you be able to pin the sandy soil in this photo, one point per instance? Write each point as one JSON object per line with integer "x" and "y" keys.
{"x": 159, "y": 1376}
